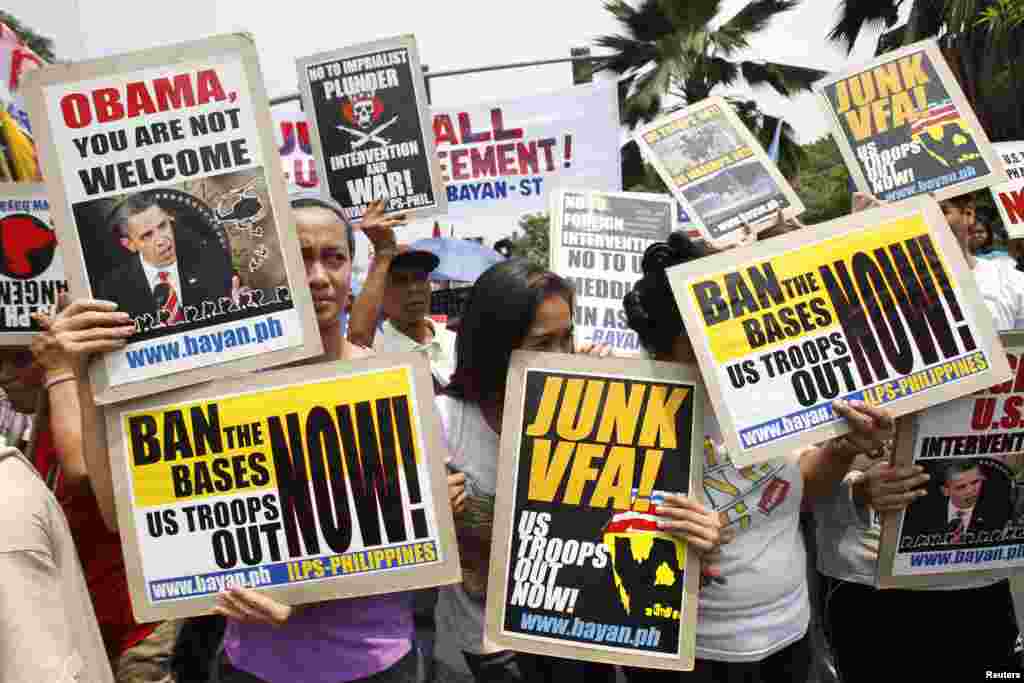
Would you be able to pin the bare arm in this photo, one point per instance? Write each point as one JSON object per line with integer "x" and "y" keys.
{"x": 362, "y": 320}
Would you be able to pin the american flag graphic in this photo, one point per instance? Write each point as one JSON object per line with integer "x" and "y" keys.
{"x": 624, "y": 522}
{"x": 935, "y": 116}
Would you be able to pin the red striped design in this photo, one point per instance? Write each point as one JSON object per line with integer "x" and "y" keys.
{"x": 936, "y": 116}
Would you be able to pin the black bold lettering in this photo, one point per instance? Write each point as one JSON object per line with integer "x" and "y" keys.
{"x": 292, "y": 483}
{"x": 712, "y": 306}
{"x": 846, "y": 303}
{"x": 145, "y": 445}
{"x": 323, "y": 445}
{"x": 882, "y": 310}
{"x": 206, "y": 429}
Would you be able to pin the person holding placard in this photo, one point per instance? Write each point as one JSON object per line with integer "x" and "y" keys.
{"x": 514, "y": 305}
{"x": 138, "y": 653}
{"x": 361, "y": 639}
{"x": 849, "y": 527}
{"x": 754, "y": 614}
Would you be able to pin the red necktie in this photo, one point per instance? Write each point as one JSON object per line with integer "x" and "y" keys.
{"x": 172, "y": 305}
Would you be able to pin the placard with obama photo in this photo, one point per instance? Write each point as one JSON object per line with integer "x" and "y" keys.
{"x": 971, "y": 516}
{"x": 878, "y": 307}
{"x": 168, "y": 201}
{"x": 31, "y": 270}
{"x": 313, "y": 483}
{"x": 579, "y": 568}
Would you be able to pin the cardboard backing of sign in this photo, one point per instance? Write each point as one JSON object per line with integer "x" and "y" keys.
{"x": 187, "y": 128}
{"x": 605, "y": 235}
{"x": 348, "y": 115}
{"x": 905, "y": 128}
{"x": 980, "y": 437}
{"x": 604, "y": 512}
{"x": 31, "y": 268}
{"x": 879, "y": 306}
{"x": 1009, "y": 197}
{"x": 718, "y": 171}
{"x": 204, "y": 478}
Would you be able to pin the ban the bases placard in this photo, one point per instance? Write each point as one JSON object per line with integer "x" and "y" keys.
{"x": 579, "y": 569}
{"x": 717, "y": 170}
{"x": 905, "y": 128}
{"x": 598, "y": 240}
{"x": 879, "y": 307}
{"x": 972, "y": 517}
{"x": 372, "y": 137}
{"x": 313, "y": 483}
{"x": 168, "y": 198}
{"x": 31, "y": 271}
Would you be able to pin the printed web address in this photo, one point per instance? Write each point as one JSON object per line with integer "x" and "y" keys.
{"x": 594, "y": 632}
{"x": 213, "y": 583}
{"x": 214, "y": 342}
{"x": 981, "y": 556}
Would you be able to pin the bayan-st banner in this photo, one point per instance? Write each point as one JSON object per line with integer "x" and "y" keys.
{"x": 717, "y": 170}
{"x": 31, "y": 270}
{"x": 167, "y": 193}
{"x": 905, "y": 128}
{"x": 371, "y": 127}
{"x": 1009, "y": 197}
{"x": 313, "y": 483}
{"x": 598, "y": 240}
{"x": 972, "y": 517}
{"x": 506, "y": 157}
{"x": 579, "y": 569}
{"x": 879, "y": 307}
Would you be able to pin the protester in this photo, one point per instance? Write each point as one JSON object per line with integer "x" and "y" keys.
{"x": 139, "y": 653}
{"x": 48, "y": 629}
{"x": 848, "y": 531}
{"x": 513, "y": 305}
{"x": 365, "y": 317}
{"x": 753, "y": 616}
{"x": 362, "y": 639}
{"x": 408, "y": 326}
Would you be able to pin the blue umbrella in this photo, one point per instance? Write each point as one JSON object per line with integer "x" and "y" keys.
{"x": 461, "y": 260}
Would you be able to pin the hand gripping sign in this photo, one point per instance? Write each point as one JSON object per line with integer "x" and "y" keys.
{"x": 878, "y": 307}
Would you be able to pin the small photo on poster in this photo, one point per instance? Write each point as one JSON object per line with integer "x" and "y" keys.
{"x": 189, "y": 255}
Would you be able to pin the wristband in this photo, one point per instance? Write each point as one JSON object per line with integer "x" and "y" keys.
{"x": 59, "y": 379}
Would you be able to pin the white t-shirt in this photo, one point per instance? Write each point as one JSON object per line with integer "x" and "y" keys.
{"x": 440, "y": 350}
{"x": 761, "y": 609}
{"x": 1002, "y": 288}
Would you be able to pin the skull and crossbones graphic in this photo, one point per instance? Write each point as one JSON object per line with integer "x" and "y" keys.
{"x": 363, "y": 110}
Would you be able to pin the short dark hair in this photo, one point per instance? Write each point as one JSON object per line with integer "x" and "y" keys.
{"x": 132, "y": 206}
{"x": 962, "y": 201}
{"x": 957, "y": 468}
{"x": 650, "y": 307}
{"x": 497, "y": 318}
{"x": 314, "y": 203}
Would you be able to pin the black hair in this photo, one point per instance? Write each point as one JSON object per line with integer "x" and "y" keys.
{"x": 501, "y": 308}
{"x": 314, "y": 203}
{"x": 962, "y": 201}
{"x": 132, "y": 206}
{"x": 957, "y": 468}
{"x": 650, "y": 306}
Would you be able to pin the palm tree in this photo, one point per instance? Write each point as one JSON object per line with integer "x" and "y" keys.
{"x": 981, "y": 39}
{"x": 680, "y": 48}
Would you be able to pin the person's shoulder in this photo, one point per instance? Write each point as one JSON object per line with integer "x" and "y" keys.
{"x": 24, "y": 504}
{"x": 116, "y": 278}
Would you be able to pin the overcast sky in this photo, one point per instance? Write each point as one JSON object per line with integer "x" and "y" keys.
{"x": 452, "y": 35}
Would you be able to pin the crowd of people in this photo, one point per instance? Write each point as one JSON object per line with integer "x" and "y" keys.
{"x": 61, "y": 621}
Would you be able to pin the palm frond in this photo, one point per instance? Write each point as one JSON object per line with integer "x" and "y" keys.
{"x": 756, "y": 16}
{"x": 688, "y": 15}
{"x": 627, "y": 54}
{"x": 857, "y": 15}
{"x": 783, "y": 78}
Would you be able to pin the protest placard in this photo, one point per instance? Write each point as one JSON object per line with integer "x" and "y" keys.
{"x": 372, "y": 137}
{"x": 1009, "y": 197}
{"x": 905, "y": 128}
{"x": 717, "y": 170}
{"x": 31, "y": 270}
{"x": 972, "y": 517}
{"x": 313, "y": 483}
{"x": 167, "y": 193}
{"x": 291, "y": 132}
{"x": 879, "y": 306}
{"x": 579, "y": 569}
{"x": 597, "y": 242}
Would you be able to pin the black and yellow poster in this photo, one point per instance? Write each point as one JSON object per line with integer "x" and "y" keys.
{"x": 590, "y": 448}
{"x": 311, "y": 483}
{"x": 905, "y": 128}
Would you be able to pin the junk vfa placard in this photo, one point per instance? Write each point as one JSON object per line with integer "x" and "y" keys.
{"x": 579, "y": 569}
{"x": 371, "y": 127}
{"x": 311, "y": 483}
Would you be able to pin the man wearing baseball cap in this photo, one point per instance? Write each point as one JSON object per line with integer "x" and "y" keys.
{"x": 407, "y": 307}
